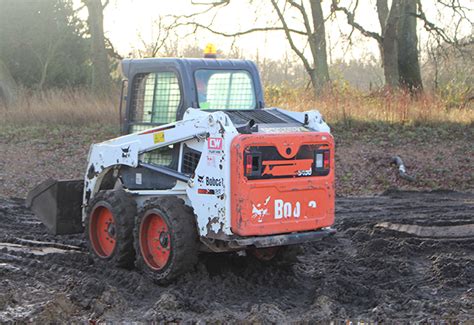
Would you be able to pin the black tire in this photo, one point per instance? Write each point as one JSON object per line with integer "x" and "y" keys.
{"x": 285, "y": 255}
{"x": 123, "y": 209}
{"x": 181, "y": 239}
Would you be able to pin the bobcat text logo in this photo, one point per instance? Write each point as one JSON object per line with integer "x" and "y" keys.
{"x": 288, "y": 210}
{"x": 214, "y": 143}
{"x": 211, "y": 181}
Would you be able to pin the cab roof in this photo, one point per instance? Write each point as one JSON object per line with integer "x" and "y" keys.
{"x": 130, "y": 67}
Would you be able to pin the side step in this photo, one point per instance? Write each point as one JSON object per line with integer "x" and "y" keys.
{"x": 58, "y": 205}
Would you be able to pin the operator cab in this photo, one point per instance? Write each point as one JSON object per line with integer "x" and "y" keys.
{"x": 161, "y": 90}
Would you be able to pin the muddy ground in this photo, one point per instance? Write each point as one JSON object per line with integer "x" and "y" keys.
{"x": 364, "y": 272}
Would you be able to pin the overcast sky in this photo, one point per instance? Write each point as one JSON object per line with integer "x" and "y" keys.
{"x": 126, "y": 21}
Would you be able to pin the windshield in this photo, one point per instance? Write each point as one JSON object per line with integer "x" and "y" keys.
{"x": 225, "y": 89}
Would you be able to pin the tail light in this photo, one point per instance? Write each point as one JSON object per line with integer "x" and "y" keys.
{"x": 322, "y": 162}
{"x": 248, "y": 164}
{"x": 326, "y": 159}
{"x": 253, "y": 164}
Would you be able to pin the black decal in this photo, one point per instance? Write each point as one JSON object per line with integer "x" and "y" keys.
{"x": 126, "y": 152}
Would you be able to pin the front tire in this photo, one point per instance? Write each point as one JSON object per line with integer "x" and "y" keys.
{"x": 166, "y": 240}
{"x": 109, "y": 227}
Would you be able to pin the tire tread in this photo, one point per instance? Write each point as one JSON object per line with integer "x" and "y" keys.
{"x": 124, "y": 211}
{"x": 185, "y": 241}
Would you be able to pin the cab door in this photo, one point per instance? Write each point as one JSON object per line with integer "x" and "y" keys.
{"x": 156, "y": 99}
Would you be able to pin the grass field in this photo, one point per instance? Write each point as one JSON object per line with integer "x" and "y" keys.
{"x": 48, "y": 135}
{"x": 79, "y": 107}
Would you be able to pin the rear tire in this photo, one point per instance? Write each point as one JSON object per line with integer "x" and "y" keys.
{"x": 109, "y": 227}
{"x": 166, "y": 240}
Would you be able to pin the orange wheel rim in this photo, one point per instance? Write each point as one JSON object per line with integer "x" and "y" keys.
{"x": 102, "y": 231}
{"x": 155, "y": 241}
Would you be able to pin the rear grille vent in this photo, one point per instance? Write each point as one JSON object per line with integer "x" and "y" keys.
{"x": 260, "y": 116}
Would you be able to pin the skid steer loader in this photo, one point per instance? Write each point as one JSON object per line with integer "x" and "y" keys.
{"x": 202, "y": 165}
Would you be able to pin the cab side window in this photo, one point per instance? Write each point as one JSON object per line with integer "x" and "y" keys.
{"x": 156, "y": 99}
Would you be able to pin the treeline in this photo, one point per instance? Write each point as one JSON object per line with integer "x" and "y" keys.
{"x": 44, "y": 44}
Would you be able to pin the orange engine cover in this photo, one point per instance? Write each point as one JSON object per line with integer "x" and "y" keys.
{"x": 287, "y": 196}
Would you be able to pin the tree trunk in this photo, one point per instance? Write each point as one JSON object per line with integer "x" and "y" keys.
{"x": 8, "y": 86}
{"x": 408, "y": 62}
{"x": 320, "y": 76}
{"x": 382, "y": 12}
{"x": 390, "y": 47}
{"x": 100, "y": 62}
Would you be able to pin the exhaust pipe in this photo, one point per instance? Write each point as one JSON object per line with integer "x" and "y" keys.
{"x": 58, "y": 205}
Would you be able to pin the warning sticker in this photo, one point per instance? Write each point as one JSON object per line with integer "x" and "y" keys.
{"x": 159, "y": 137}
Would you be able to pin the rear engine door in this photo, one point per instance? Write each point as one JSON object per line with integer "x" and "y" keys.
{"x": 282, "y": 183}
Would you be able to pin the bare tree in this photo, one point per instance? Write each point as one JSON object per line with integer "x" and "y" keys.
{"x": 398, "y": 39}
{"x": 314, "y": 33}
{"x": 100, "y": 62}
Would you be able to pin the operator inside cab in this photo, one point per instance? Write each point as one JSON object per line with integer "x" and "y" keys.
{"x": 224, "y": 89}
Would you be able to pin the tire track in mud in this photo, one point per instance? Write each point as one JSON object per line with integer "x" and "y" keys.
{"x": 362, "y": 272}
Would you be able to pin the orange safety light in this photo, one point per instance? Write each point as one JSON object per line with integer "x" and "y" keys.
{"x": 210, "y": 51}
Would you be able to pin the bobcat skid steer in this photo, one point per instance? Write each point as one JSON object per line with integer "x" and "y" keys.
{"x": 201, "y": 166}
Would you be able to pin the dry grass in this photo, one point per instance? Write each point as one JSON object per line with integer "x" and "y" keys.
{"x": 67, "y": 107}
{"x": 80, "y": 107}
{"x": 346, "y": 105}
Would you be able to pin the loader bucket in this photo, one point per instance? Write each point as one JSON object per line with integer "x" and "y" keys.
{"x": 58, "y": 205}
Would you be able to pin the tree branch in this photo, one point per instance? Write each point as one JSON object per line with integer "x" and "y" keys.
{"x": 82, "y": 6}
{"x": 351, "y": 21}
{"x": 433, "y": 28}
{"x": 457, "y": 8}
{"x": 209, "y": 8}
{"x": 300, "y": 54}
{"x": 300, "y": 7}
{"x": 240, "y": 33}
{"x": 212, "y": 3}
{"x": 111, "y": 50}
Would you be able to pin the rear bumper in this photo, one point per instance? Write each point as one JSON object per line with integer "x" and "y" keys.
{"x": 281, "y": 240}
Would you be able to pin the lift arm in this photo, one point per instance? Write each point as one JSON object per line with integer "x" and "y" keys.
{"x": 125, "y": 150}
